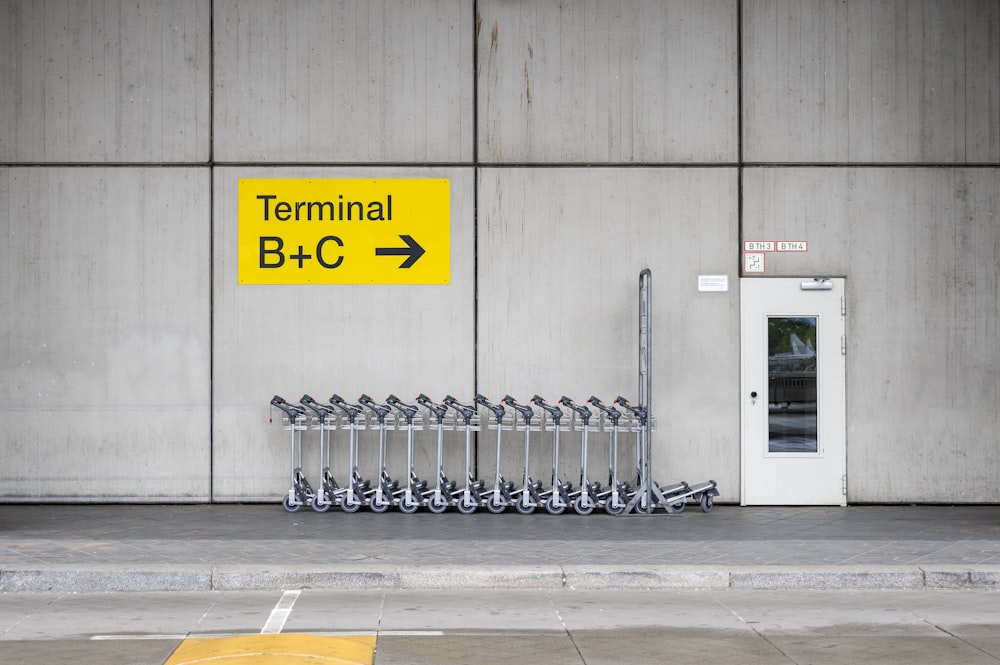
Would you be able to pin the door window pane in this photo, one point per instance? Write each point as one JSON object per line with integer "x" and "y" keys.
{"x": 791, "y": 384}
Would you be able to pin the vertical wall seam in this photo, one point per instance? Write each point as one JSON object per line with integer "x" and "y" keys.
{"x": 475, "y": 213}
{"x": 211, "y": 251}
{"x": 739, "y": 138}
{"x": 739, "y": 241}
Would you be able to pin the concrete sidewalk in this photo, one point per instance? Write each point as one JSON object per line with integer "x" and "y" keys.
{"x": 260, "y": 546}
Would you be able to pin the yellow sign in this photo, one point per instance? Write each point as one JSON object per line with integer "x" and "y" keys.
{"x": 344, "y": 231}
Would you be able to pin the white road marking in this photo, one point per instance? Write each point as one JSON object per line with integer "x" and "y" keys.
{"x": 279, "y": 615}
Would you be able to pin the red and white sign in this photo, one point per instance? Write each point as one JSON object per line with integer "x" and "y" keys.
{"x": 758, "y": 245}
{"x": 754, "y": 263}
{"x": 793, "y": 246}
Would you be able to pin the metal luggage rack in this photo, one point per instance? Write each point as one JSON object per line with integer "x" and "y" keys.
{"x": 639, "y": 494}
{"x": 512, "y": 422}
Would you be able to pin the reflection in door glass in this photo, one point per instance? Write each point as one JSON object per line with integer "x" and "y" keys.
{"x": 791, "y": 384}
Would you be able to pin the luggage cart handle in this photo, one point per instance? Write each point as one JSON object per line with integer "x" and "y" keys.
{"x": 497, "y": 409}
{"x": 320, "y": 410}
{"x": 638, "y": 411}
{"x": 554, "y": 411}
{"x": 523, "y": 409}
{"x": 351, "y": 410}
{"x": 464, "y": 409}
{"x": 408, "y": 410}
{"x": 293, "y": 412}
{"x": 380, "y": 411}
{"x": 613, "y": 413}
{"x": 439, "y": 410}
{"x": 581, "y": 410}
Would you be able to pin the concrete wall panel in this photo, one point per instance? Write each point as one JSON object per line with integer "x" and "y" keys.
{"x": 871, "y": 81}
{"x": 921, "y": 252}
{"x": 105, "y": 353}
{"x": 110, "y": 81}
{"x": 623, "y": 81}
{"x": 325, "y": 339}
{"x": 560, "y": 252}
{"x": 343, "y": 81}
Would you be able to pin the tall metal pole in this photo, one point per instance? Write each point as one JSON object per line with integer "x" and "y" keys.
{"x": 645, "y": 382}
{"x": 643, "y": 501}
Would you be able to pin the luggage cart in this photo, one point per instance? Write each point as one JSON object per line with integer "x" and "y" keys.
{"x": 502, "y": 494}
{"x": 444, "y": 492}
{"x": 586, "y": 498}
{"x": 702, "y": 494}
{"x": 358, "y": 489}
{"x": 301, "y": 492}
{"x": 615, "y": 497}
{"x": 469, "y": 497}
{"x": 648, "y": 493}
{"x": 329, "y": 493}
{"x": 672, "y": 498}
{"x": 530, "y": 495}
{"x": 559, "y": 496}
{"x": 416, "y": 492}
{"x": 386, "y": 489}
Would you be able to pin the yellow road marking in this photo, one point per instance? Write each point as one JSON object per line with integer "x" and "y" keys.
{"x": 285, "y": 648}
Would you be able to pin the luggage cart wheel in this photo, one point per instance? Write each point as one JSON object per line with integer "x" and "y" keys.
{"x": 351, "y": 507}
{"x": 552, "y": 508}
{"x": 436, "y": 505}
{"x": 287, "y": 504}
{"x": 319, "y": 507}
{"x": 408, "y": 507}
{"x": 495, "y": 505}
{"x": 580, "y": 508}
{"x": 706, "y": 503}
{"x": 466, "y": 507}
{"x": 611, "y": 509}
{"x": 523, "y": 507}
{"x": 676, "y": 507}
{"x": 377, "y": 507}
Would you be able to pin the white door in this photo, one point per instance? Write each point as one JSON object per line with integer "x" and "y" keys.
{"x": 794, "y": 399}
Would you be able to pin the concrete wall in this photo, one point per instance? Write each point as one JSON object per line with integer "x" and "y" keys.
{"x": 871, "y": 81}
{"x": 104, "y": 81}
{"x": 921, "y": 249}
{"x": 325, "y": 339}
{"x": 607, "y": 82}
{"x": 105, "y": 352}
{"x": 584, "y": 142}
{"x": 559, "y": 257}
{"x": 348, "y": 82}
{"x": 914, "y": 83}
{"x": 106, "y": 280}
{"x": 343, "y": 81}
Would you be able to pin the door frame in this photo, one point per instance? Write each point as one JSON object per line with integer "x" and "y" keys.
{"x": 773, "y": 476}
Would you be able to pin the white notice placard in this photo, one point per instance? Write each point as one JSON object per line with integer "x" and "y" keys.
{"x": 713, "y": 283}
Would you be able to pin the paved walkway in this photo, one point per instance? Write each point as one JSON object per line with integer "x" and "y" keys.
{"x": 260, "y": 546}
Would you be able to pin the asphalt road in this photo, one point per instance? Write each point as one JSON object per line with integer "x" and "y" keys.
{"x": 442, "y": 627}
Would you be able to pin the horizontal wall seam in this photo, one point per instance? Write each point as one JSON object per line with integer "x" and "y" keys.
{"x": 507, "y": 165}
{"x": 872, "y": 165}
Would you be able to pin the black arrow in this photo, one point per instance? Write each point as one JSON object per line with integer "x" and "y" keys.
{"x": 413, "y": 250}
